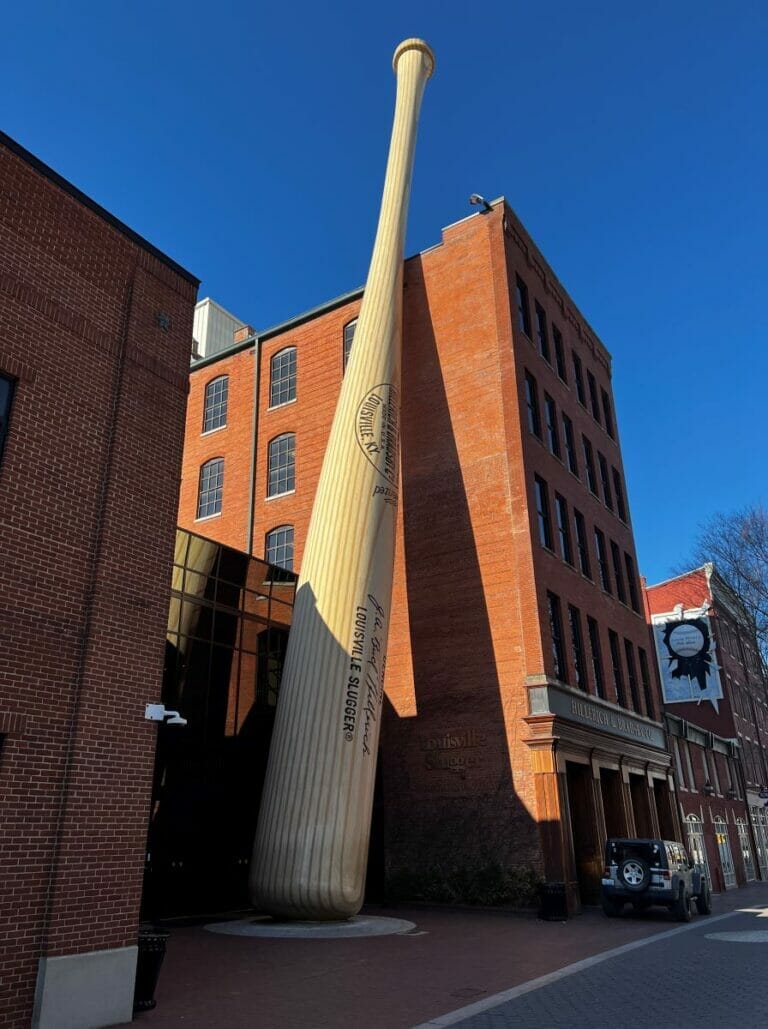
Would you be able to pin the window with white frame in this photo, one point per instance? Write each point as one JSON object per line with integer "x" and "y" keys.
{"x": 724, "y": 850}
{"x": 211, "y": 488}
{"x": 746, "y": 849}
{"x": 349, "y": 335}
{"x": 279, "y": 548}
{"x": 215, "y": 403}
{"x": 281, "y": 474}
{"x": 696, "y": 848}
{"x": 282, "y": 377}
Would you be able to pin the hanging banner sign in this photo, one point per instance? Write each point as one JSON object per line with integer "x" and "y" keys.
{"x": 686, "y": 654}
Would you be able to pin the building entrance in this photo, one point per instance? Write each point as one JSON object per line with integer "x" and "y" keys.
{"x": 585, "y": 831}
{"x": 641, "y": 806}
{"x": 613, "y": 803}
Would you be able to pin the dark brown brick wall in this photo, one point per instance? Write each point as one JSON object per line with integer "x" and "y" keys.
{"x": 88, "y": 494}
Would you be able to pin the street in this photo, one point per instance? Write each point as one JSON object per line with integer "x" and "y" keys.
{"x": 708, "y": 973}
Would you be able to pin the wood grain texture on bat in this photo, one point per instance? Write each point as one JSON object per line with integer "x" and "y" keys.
{"x": 311, "y": 845}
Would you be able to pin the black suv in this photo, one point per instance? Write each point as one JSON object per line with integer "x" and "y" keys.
{"x": 647, "y": 872}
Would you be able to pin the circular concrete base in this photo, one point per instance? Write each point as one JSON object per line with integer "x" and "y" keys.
{"x": 747, "y": 936}
{"x": 360, "y": 925}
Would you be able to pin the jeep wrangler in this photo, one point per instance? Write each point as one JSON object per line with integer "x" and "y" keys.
{"x": 653, "y": 872}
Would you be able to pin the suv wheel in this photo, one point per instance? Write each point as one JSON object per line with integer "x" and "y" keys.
{"x": 681, "y": 909}
{"x": 704, "y": 900}
{"x": 634, "y": 873}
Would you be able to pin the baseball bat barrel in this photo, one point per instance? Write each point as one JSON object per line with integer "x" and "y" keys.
{"x": 311, "y": 845}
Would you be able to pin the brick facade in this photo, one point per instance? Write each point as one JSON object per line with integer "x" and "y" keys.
{"x": 468, "y": 777}
{"x": 94, "y": 327}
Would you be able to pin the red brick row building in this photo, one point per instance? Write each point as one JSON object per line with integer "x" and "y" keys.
{"x": 522, "y": 722}
{"x": 95, "y": 326}
{"x": 717, "y": 731}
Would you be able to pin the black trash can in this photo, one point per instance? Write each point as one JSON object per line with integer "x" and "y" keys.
{"x": 152, "y": 944}
{"x": 553, "y": 906}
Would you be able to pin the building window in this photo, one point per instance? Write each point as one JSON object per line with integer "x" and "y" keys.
{"x": 646, "y": 681}
{"x": 211, "y": 488}
{"x": 589, "y": 461}
{"x": 618, "y": 674}
{"x": 570, "y": 446}
{"x": 578, "y": 377}
{"x": 523, "y": 311}
{"x": 281, "y": 475}
{"x": 542, "y": 510}
{"x": 602, "y": 561}
{"x": 596, "y": 656}
{"x": 559, "y": 354}
{"x": 678, "y": 763}
{"x": 608, "y": 415}
{"x": 605, "y": 480}
{"x": 215, "y": 403}
{"x": 550, "y": 414}
{"x": 581, "y": 543}
{"x": 629, "y": 653}
{"x": 532, "y": 402}
{"x": 556, "y": 631}
{"x": 577, "y": 648}
{"x": 349, "y": 335}
{"x": 7, "y": 387}
{"x": 593, "y": 398}
{"x": 634, "y": 599}
{"x": 724, "y": 850}
{"x": 279, "y": 549}
{"x": 746, "y": 850}
{"x": 541, "y": 332}
{"x": 282, "y": 377}
{"x": 563, "y": 529}
{"x": 621, "y": 506}
{"x": 618, "y": 574}
{"x": 696, "y": 847}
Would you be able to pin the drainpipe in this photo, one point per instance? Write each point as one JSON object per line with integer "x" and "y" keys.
{"x": 254, "y": 443}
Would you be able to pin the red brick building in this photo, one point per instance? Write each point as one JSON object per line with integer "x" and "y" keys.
{"x": 719, "y": 744}
{"x": 521, "y": 725}
{"x": 94, "y": 349}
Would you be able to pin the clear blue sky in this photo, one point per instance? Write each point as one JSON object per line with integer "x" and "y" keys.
{"x": 247, "y": 140}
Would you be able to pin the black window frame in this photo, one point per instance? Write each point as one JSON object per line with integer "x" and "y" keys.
{"x": 563, "y": 528}
{"x": 608, "y": 420}
{"x": 602, "y": 561}
{"x": 632, "y": 680}
{"x": 634, "y": 593}
{"x": 621, "y": 500}
{"x": 550, "y": 421}
{"x": 582, "y": 544}
{"x": 210, "y": 488}
{"x": 523, "y": 307}
{"x": 617, "y": 669}
{"x": 542, "y": 334}
{"x": 605, "y": 480}
{"x": 596, "y": 655}
{"x": 557, "y": 342}
{"x": 8, "y": 384}
{"x": 556, "y": 636}
{"x": 215, "y": 403}
{"x": 578, "y": 378}
{"x": 282, "y": 377}
{"x": 577, "y": 649}
{"x": 589, "y": 464}
{"x": 572, "y": 460}
{"x": 543, "y": 514}
{"x": 532, "y": 405}
{"x": 594, "y": 400}
{"x": 645, "y": 681}
{"x": 618, "y": 571}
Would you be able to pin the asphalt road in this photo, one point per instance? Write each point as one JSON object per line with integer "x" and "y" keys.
{"x": 712, "y": 972}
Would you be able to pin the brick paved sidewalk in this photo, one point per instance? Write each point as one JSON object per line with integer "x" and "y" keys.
{"x": 456, "y": 957}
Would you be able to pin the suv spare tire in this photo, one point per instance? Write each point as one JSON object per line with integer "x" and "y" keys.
{"x": 635, "y": 873}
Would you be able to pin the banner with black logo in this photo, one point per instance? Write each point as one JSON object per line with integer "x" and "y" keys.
{"x": 686, "y": 654}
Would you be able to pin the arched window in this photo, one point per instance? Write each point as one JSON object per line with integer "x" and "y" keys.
{"x": 215, "y": 403}
{"x": 279, "y": 549}
{"x": 349, "y": 335}
{"x": 211, "y": 488}
{"x": 696, "y": 848}
{"x": 281, "y": 474}
{"x": 746, "y": 849}
{"x": 724, "y": 850}
{"x": 282, "y": 377}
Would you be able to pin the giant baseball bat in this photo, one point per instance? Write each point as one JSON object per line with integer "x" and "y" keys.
{"x": 311, "y": 844}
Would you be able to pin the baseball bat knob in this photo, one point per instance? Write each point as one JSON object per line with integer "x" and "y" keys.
{"x": 415, "y": 44}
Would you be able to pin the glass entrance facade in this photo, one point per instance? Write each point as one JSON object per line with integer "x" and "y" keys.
{"x": 724, "y": 850}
